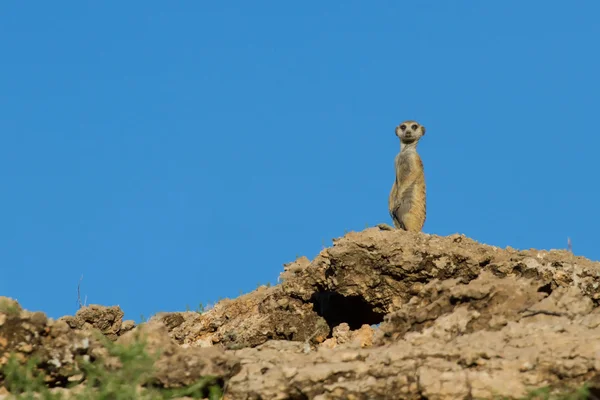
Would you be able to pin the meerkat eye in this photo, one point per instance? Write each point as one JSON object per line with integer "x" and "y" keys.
{"x": 403, "y": 127}
{"x": 414, "y": 127}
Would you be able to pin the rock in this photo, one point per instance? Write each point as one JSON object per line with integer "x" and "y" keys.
{"x": 382, "y": 314}
{"x": 108, "y": 320}
{"x": 248, "y": 321}
{"x": 56, "y": 347}
{"x": 176, "y": 366}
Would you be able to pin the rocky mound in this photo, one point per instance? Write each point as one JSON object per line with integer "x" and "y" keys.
{"x": 382, "y": 314}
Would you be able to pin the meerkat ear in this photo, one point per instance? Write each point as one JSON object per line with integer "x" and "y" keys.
{"x": 422, "y": 130}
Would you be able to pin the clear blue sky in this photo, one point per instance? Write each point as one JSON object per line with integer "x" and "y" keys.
{"x": 176, "y": 152}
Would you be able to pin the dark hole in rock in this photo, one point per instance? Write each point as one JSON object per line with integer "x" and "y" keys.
{"x": 454, "y": 300}
{"x": 547, "y": 288}
{"x": 594, "y": 392}
{"x": 353, "y": 310}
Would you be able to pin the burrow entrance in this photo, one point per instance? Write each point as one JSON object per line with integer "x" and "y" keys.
{"x": 353, "y": 310}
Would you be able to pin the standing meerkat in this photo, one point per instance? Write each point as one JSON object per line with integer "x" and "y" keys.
{"x": 407, "y": 198}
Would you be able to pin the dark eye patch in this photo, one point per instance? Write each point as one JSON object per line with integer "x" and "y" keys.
{"x": 403, "y": 127}
{"x": 414, "y": 127}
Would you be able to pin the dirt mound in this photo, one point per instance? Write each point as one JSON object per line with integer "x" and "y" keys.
{"x": 382, "y": 314}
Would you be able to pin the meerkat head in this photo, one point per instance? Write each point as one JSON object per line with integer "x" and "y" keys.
{"x": 410, "y": 132}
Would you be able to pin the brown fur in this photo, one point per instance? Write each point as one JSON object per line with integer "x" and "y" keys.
{"x": 407, "y": 203}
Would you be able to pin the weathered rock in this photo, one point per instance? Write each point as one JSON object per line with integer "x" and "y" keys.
{"x": 248, "y": 321}
{"x": 369, "y": 274}
{"x": 60, "y": 350}
{"x": 177, "y": 366}
{"x": 486, "y": 303}
{"x": 342, "y": 335}
{"x": 443, "y": 361}
{"x": 458, "y": 320}
{"x": 108, "y": 320}
{"x": 56, "y": 347}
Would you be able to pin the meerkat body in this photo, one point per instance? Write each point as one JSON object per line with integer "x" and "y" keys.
{"x": 407, "y": 197}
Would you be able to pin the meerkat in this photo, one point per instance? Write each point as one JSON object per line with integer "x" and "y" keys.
{"x": 407, "y": 197}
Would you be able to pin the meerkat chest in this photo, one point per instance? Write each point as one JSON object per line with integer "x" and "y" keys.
{"x": 406, "y": 163}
